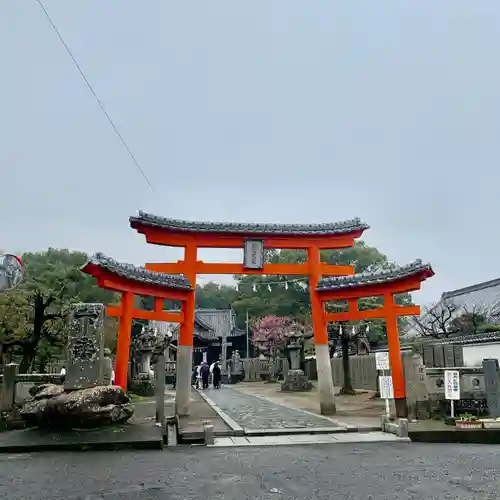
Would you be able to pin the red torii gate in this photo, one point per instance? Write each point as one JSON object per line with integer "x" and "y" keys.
{"x": 386, "y": 284}
{"x": 194, "y": 235}
{"x": 131, "y": 280}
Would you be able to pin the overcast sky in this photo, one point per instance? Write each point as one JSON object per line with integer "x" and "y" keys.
{"x": 282, "y": 111}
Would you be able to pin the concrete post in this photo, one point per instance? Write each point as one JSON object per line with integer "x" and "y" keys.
{"x": 185, "y": 344}
{"x": 326, "y": 390}
{"x": 8, "y": 393}
{"x": 171, "y": 434}
{"x": 160, "y": 389}
{"x": 223, "y": 351}
{"x": 183, "y": 385}
{"x": 403, "y": 428}
{"x": 208, "y": 431}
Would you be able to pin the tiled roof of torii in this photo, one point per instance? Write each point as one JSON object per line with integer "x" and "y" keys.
{"x": 344, "y": 227}
{"x": 376, "y": 277}
{"x": 137, "y": 273}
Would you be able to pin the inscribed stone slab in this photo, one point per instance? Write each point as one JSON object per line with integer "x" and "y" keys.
{"x": 85, "y": 346}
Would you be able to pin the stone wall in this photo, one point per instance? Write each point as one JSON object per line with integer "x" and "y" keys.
{"x": 363, "y": 372}
{"x": 472, "y": 391}
{"x": 440, "y": 356}
{"x": 471, "y": 382}
{"x": 23, "y": 383}
{"x": 257, "y": 369}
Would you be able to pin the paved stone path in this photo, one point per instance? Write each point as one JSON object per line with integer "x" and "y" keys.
{"x": 252, "y": 412}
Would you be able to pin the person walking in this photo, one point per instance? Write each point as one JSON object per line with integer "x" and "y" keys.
{"x": 205, "y": 373}
{"x": 198, "y": 377}
{"x": 212, "y": 372}
{"x": 216, "y": 374}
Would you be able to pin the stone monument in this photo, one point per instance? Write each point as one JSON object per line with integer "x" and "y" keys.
{"x": 85, "y": 347}
{"x": 417, "y": 386}
{"x": 492, "y": 386}
{"x": 87, "y": 399}
{"x": 295, "y": 380}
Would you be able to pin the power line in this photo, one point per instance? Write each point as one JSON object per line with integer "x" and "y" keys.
{"x": 101, "y": 105}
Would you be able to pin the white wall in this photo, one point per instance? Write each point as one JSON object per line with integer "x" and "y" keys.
{"x": 474, "y": 354}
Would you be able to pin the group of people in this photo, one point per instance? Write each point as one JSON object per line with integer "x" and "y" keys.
{"x": 202, "y": 375}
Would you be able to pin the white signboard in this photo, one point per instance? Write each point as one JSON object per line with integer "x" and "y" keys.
{"x": 253, "y": 255}
{"x": 382, "y": 361}
{"x": 386, "y": 388}
{"x": 452, "y": 384}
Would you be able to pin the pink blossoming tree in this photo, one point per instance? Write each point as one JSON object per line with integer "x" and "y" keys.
{"x": 271, "y": 334}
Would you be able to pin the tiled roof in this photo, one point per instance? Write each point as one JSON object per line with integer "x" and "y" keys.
{"x": 216, "y": 322}
{"x": 249, "y": 228}
{"x": 486, "y": 295}
{"x": 471, "y": 289}
{"x": 476, "y": 338}
{"x": 200, "y": 321}
{"x": 375, "y": 277}
{"x": 221, "y": 320}
{"x": 139, "y": 273}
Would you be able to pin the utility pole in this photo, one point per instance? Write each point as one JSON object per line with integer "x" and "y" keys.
{"x": 248, "y": 337}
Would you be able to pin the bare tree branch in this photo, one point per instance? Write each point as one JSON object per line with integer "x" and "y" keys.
{"x": 437, "y": 321}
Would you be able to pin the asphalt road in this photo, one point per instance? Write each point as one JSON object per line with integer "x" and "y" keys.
{"x": 375, "y": 471}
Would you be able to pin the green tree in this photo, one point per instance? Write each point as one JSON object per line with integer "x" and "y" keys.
{"x": 294, "y": 300}
{"x": 215, "y": 296}
{"x": 33, "y": 316}
{"x": 13, "y": 324}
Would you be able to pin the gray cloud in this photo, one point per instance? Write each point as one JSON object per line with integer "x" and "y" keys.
{"x": 274, "y": 111}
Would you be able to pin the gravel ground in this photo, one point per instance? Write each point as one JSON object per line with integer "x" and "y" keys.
{"x": 339, "y": 471}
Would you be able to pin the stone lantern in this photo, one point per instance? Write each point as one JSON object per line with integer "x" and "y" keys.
{"x": 295, "y": 380}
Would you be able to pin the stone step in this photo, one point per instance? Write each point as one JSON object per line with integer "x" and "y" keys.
{"x": 307, "y": 431}
{"x": 288, "y": 440}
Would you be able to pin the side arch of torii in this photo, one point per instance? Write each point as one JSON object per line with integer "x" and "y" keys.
{"x": 177, "y": 281}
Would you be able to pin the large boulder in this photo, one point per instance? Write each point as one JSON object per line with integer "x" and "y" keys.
{"x": 52, "y": 407}
{"x": 45, "y": 391}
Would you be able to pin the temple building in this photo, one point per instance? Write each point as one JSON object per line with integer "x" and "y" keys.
{"x": 481, "y": 298}
{"x": 213, "y": 328}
